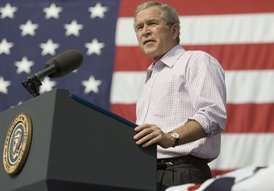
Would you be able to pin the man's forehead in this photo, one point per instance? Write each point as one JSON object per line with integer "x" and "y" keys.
{"x": 151, "y": 13}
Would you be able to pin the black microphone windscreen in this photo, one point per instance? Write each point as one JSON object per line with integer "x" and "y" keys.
{"x": 65, "y": 62}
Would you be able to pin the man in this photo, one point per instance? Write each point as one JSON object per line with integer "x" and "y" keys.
{"x": 182, "y": 106}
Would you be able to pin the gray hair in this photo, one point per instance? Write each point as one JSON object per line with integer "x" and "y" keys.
{"x": 169, "y": 14}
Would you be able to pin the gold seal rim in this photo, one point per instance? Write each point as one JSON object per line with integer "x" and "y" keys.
{"x": 25, "y": 119}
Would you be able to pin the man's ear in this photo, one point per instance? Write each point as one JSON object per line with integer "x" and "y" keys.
{"x": 175, "y": 31}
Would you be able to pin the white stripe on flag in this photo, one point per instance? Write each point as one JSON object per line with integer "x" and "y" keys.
{"x": 246, "y": 153}
{"x": 126, "y": 87}
{"x": 242, "y": 86}
{"x": 254, "y": 86}
{"x": 211, "y": 29}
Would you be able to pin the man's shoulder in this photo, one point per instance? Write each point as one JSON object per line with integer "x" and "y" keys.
{"x": 200, "y": 55}
{"x": 192, "y": 56}
{"x": 197, "y": 53}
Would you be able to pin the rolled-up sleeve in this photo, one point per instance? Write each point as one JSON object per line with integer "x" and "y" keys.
{"x": 206, "y": 87}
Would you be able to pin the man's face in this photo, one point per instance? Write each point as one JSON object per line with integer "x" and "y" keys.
{"x": 155, "y": 37}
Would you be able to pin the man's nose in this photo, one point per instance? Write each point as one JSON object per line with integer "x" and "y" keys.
{"x": 146, "y": 30}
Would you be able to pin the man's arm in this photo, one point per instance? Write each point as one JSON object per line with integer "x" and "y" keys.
{"x": 149, "y": 134}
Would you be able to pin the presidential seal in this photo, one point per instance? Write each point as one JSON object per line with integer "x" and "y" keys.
{"x": 17, "y": 143}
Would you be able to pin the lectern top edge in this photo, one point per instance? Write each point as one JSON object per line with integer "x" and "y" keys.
{"x": 106, "y": 112}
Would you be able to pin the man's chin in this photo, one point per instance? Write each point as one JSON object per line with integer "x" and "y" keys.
{"x": 150, "y": 52}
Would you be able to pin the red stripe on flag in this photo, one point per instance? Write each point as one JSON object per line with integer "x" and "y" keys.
{"x": 232, "y": 57}
{"x": 123, "y": 63}
{"x": 205, "y": 7}
{"x": 242, "y": 118}
{"x": 241, "y": 56}
{"x": 250, "y": 118}
{"x": 127, "y": 111}
{"x": 216, "y": 172}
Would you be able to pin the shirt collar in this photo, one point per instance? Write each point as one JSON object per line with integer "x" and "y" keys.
{"x": 170, "y": 58}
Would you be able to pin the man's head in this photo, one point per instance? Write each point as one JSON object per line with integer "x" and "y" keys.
{"x": 157, "y": 28}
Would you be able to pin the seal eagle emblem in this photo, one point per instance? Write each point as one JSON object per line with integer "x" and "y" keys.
{"x": 17, "y": 143}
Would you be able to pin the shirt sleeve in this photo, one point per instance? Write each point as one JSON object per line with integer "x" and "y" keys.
{"x": 207, "y": 90}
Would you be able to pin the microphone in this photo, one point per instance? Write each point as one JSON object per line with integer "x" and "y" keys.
{"x": 58, "y": 66}
{"x": 62, "y": 64}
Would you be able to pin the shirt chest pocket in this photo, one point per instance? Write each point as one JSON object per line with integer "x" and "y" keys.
{"x": 166, "y": 94}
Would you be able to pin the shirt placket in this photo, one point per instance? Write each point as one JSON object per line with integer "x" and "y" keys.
{"x": 148, "y": 88}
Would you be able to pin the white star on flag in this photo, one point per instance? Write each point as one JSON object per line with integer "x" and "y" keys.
{"x": 23, "y": 65}
{"x": 7, "y": 11}
{"x": 97, "y": 11}
{"x": 94, "y": 47}
{"x": 4, "y": 85}
{"x": 47, "y": 85}
{"x": 5, "y": 46}
{"x": 52, "y": 11}
{"x": 91, "y": 85}
{"x": 19, "y": 103}
{"x": 73, "y": 28}
{"x": 28, "y": 28}
{"x": 49, "y": 47}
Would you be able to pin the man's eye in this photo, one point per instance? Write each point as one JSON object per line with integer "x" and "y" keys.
{"x": 152, "y": 23}
{"x": 139, "y": 28}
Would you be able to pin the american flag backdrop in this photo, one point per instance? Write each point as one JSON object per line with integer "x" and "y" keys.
{"x": 240, "y": 34}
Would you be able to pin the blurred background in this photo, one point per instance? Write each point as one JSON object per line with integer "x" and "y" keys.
{"x": 240, "y": 34}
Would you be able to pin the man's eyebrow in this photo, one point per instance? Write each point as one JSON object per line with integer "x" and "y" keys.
{"x": 153, "y": 20}
{"x": 148, "y": 20}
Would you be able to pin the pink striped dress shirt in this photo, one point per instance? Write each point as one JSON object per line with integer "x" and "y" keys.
{"x": 185, "y": 85}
